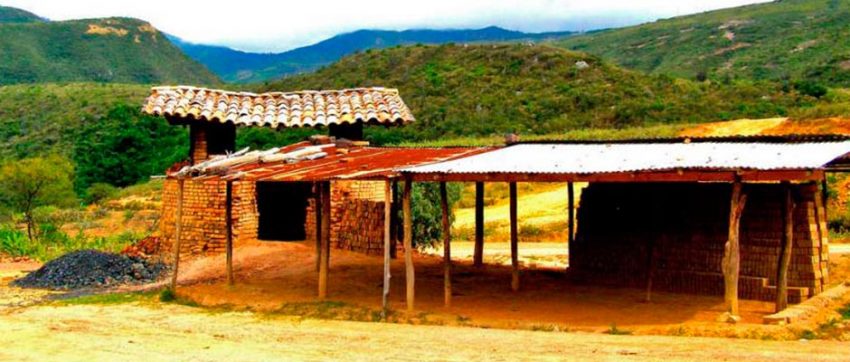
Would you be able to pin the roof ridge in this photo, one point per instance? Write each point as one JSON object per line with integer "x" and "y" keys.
{"x": 274, "y": 93}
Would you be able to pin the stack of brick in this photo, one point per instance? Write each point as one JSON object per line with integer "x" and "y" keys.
{"x": 684, "y": 226}
{"x": 204, "y": 228}
{"x": 357, "y": 216}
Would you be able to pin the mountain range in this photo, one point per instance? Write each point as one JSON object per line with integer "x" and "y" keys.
{"x": 788, "y": 40}
{"x": 118, "y": 50}
{"x": 243, "y": 67}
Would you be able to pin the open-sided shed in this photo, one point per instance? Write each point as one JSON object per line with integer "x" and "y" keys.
{"x": 741, "y": 216}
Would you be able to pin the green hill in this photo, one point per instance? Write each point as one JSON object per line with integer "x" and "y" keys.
{"x": 15, "y": 15}
{"x": 474, "y": 90}
{"x": 788, "y": 39}
{"x": 116, "y": 50}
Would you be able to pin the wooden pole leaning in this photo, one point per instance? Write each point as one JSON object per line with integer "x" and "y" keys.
{"x": 388, "y": 237}
{"x": 447, "y": 247}
{"x": 408, "y": 244}
{"x": 785, "y": 251}
{"x": 514, "y": 238}
{"x": 228, "y": 215}
{"x": 177, "y": 231}
{"x": 317, "y": 200}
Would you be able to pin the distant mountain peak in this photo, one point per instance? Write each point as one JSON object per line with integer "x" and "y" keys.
{"x": 15, "y": 15}
{"x": 238, "y": 66}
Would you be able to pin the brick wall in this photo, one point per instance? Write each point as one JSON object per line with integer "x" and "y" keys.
{"x": 686, "y": 227}
{"x": 203, "y": 223}
{"x": 357, "y": 216}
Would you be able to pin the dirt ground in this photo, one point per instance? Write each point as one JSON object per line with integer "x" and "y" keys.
{"x": 275, "y": 275}
{"x": 272, "y": 275}
{"x": 157, "y": 332}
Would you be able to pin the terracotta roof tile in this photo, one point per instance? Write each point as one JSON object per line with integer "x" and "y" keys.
{"x": 279, "y": 109}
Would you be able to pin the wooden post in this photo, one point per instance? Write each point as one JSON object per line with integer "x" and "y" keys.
{"x": 447, "y": 247}
{"x": 408, "y": 244}
{"x": 731, "y": 263}
{"x": 228, "y": 214}
{"x": 571, "y": 201}
{"x": 317, "y": 201}
{"x": 823, "y": 233}
{"x": 785, "y": 251}
{"x": 514, "y": 238}
{"x": 571, "y": 217}
{"x": 388, "y": 237}
{"x": 326, "y": 240}
{"x": 478, "y": 254}
{"x": 177, "y": 231}
{"x": 394, "y": 221}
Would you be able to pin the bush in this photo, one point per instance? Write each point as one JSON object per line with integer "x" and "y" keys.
{"x": 811, "y": 88}
{"x": 427, "y": 215}
{"x": 98, "y": 192}
{"x": 167, "y": 295}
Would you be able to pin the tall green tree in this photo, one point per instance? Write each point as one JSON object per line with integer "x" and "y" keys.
{"x": 39, "y": 181}
{"x": 126, "y": 148}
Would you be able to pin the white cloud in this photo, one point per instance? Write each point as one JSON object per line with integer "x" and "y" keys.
{"x": 280, "y": 25}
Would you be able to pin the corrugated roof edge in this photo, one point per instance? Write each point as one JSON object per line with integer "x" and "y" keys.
{"x": 791, "y": 138}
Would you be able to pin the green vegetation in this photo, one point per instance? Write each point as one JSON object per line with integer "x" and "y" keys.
{"x": 427, "y": 214}
{"x": 14, "y": 15}
{"x": 52, "y": 242}
{"x": 789, "y": 41}
{"x": 488, "y": 90}
{"x": 109, "y": 298}
{"x": 34, "y": 182}
{"x": 99, "y": 50}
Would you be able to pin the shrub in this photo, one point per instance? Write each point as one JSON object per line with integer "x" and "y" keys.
{"x": 98, "y": 192}
{"x": 427, "y": 215}
{"x": 811, "y": 88}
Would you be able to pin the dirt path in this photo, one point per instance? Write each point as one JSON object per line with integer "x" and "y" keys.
{"x": 171, "y": 332}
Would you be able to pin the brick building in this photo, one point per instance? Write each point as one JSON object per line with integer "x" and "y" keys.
{"x": 656, "y": 213}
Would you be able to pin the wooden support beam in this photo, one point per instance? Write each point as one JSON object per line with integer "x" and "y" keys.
{"x": 731, "y": 263}
{"x": 317, "y": 206}
{"x": 514, "y": 238}
{"x": 178, "y": 219}
{"x": 478, "y": 253}
{"x": 571, "y": 213}
{"x": 408, "y": 244}
{"x": 823, "y": 233}
{"x": 785, "y": 250}
{"x": 326, "y": 240}
{"x": 228, "y": 215}
{"x": 638, "y": 176}
{"x": 447, "y": 247}
{"x": 395, "y": 230}
{"x": 388, "y": 237}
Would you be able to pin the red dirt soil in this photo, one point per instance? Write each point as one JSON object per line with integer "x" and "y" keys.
{"x": 272, "y": 274}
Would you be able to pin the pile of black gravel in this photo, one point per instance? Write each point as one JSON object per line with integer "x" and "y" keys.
{"x": 91, "y": 268}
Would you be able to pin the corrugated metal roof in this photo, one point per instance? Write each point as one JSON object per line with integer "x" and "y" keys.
{"x": 278, "y": 109}
{"x": 614, "y": 158}
{"x": 343, "y": 163}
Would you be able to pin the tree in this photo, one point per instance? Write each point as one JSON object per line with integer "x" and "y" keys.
{"x": 126, "y": 148}
{"x": 39, "y": 181}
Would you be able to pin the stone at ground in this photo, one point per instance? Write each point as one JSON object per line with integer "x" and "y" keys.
{"x": 91, "y": 268}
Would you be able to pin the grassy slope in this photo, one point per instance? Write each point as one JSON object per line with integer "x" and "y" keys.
{"x": 116, "y": 50}
{"x": 45, "y": 117}
{"x": 792, "y": 38}
{"x": 483, "y": 90}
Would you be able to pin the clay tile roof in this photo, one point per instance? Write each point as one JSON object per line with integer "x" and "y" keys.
{"x": 279, "y": 109}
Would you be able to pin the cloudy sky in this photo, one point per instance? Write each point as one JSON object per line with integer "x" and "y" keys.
{"x": 273, "y": 26}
